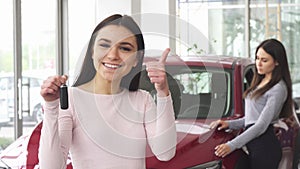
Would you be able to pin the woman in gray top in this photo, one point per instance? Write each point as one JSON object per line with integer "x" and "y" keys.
{"x": 266, "y": 100}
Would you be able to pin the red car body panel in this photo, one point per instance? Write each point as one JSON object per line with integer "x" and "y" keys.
{"x": 189, "y": 150}
{"x": 192, "y": 149}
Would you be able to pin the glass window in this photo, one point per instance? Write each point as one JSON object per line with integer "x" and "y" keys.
{"x": 38, "y": 36}
{"x": 81, "y": 25}
{"x": 203, "y": 93}
{"x": 194, "y": 83}
{"x": 248, "y": 77}
{"x": 277, "y": 19}
{"x": 38, "y": 61}
{"x": 6, "y": 65}
{"x": 215, "y": 20}
{"x": 222, "y": 23}
{"x": 38, "y": 55}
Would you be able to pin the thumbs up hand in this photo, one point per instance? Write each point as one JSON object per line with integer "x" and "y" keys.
{"x": 157, "y": 74}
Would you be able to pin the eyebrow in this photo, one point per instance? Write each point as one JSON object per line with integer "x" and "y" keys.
{"x": 122, "y": 43}
{"x": 102, "y": 39}
{"x": 262, "y": 57}
{"x": 127, "y": 43}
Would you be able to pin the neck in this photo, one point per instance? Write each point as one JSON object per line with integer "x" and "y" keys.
{"x": 102, "y": 86}
{"x": 265, "y": 80}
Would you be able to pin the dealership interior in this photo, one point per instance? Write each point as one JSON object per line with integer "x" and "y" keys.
{"x": 40, "y": 38}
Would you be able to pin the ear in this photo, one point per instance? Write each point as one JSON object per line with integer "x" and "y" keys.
{"x": 276, "y": 64}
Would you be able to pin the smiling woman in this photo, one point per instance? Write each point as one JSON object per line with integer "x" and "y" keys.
{"x": 109, "y": 118}
{"x": 120, "y": 49}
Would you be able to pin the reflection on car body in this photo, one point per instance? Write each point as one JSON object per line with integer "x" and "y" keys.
{"x": 203, "y": 89}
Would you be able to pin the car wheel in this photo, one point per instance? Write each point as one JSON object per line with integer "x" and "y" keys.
{"x": 37, "y": 115}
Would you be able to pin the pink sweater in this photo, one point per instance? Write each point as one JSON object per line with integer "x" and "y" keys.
{"x": 107, "y": 131}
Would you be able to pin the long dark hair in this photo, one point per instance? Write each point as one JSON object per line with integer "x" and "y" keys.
{"x": 281, "y": 72}
{"x": 88, "y": 71}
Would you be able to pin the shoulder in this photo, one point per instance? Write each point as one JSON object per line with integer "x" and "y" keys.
{"x": 140, "y": 93}
{"x": 280, "y": 87}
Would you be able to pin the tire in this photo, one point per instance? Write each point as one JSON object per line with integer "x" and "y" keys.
{"x": 37, "y": 113}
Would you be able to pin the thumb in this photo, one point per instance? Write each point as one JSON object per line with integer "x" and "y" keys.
{"x": 164, "y": 56}
{"x": 63, "y": 79}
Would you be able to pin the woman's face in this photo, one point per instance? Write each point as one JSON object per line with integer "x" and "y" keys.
{"x": 114, "y": 52}
{"x": 265, "y": 63}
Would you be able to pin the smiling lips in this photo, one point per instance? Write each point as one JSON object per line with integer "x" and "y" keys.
{"x": 112, "y": 66}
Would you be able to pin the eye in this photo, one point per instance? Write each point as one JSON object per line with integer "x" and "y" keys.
{"x": 126, "y": 49}
{"x": 104, "y": 45}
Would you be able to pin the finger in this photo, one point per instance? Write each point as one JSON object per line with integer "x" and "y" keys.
{"x": 59, "y": 80}
{"x": 218, "y": 152}
{"x": 213, "y": 125}
{"x": 158, "y": 80}
{"x": 221, "y": 127}
{"x": 156, "y": 74}
{"x": 164, "y": 56}
{"x": 47, "y": 91}
{"x": 64, "y": 78}
{"x": 54, "y": 82}
{"x": 224, "y": 153}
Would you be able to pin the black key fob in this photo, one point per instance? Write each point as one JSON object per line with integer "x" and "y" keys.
{"x": 64, "y": 103}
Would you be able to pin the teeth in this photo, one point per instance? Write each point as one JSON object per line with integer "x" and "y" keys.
{"x": 112, "y": 66}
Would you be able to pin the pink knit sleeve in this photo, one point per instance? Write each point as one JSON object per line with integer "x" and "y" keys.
{"x": 56, "y": 136}
{"x": 160, "y": 127}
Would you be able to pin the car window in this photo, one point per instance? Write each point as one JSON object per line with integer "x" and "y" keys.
{"x": 6, "y": 83}
{"x": 194, "y": 82}
{"x": 248, "y": 76}
{"x": 197, "y": 93}
{"x": 34, "y": 82}
{"x": 3, "y": 83}
{"x": 205, "y": 94}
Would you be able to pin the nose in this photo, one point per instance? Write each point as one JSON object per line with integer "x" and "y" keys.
{"x": 113, "y": 54}
{"x": 258, "y": 62}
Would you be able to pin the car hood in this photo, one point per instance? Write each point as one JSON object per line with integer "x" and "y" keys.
{"x": 23, "y": 153}
{"x": 15, "y": 154}
{"x": 189, "y": 132}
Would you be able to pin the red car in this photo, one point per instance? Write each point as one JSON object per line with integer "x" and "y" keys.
{"x": 203, "y": 89}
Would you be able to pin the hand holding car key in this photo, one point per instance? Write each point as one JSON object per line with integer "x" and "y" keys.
{"x": 55, "y": 87}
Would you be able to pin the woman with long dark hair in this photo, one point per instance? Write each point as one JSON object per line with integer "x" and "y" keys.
{"x": 266, "y": 100}
{"x": 109, "y": 120}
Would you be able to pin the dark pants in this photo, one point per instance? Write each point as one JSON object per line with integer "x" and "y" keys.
{"x": 265, "y": 151}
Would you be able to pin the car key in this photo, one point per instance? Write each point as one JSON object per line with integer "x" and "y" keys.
{"x": 64, "y": 103}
